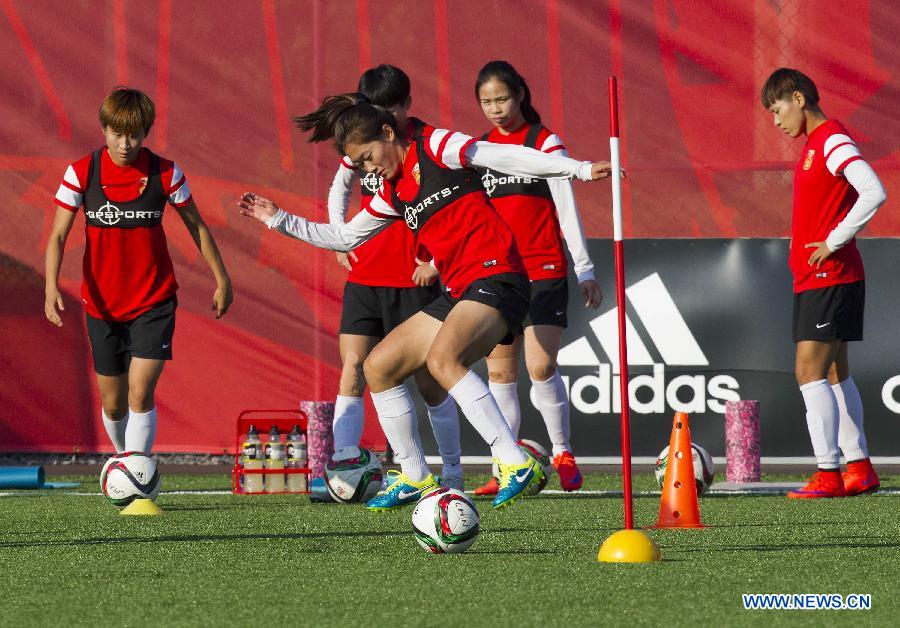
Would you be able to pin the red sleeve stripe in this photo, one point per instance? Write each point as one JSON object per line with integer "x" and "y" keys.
{"x": 847, "y": 161}
{"x": 439, "y": 155}
{"x": 75, "y": 189}
{"x": 836, "y": 146}
{"x": 378, "y": 214}
{"x": 555, "y": 148}
{"x": 349, "y": 166}
{"x": 178, "y": 185}
{"x": 462, "y": 152}
{"x": 64, "y": 205}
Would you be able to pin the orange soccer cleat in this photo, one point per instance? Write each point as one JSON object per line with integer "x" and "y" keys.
{"x": 491, "y": 487}
{"x": 821, "y": 484}
{"x": 569, "y": 476}
{"x": 860, "y": 478}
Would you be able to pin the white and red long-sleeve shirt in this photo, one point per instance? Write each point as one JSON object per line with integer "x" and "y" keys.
{"x": 127, "y": 269}
{"x": 540, "y": 212}
{"x": 466, "y": 236}
{"x": 835, "y": 194}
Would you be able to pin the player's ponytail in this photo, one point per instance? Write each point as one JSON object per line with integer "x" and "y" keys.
{"x": 504, "y": 72}
{"x": 346, "y": 118}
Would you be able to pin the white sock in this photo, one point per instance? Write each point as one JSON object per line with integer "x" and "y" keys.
{"x": 553, "y": 402}
{"x": 445, "y": 423}
{"x": 141, "y": 431}
{"x": 507, "y": 397}
{"x": 115, "y": 430}
{"x": 480, "y": 408}
{"x": 851, "y": 437}
{"x": 822, "y": 421}
{"x": 397, "y": 416}
{"x": 348, "y": 421}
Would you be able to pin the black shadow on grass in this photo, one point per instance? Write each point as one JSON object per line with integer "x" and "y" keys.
{"x": 789, "y": 546}
{"x": 783, "y": 524}
{"x": 517, "y": 552}
{"x": 198, "y": 538}
{"x": 189, "y": 508}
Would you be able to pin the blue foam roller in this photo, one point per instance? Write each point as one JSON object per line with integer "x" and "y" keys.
{"x": 21, "y": 477}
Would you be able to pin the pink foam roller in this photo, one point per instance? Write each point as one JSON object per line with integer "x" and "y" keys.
{"x": 742, "y": 449}
{"x": 318, "y": 434}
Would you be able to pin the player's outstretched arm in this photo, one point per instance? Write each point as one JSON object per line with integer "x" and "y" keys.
{"x": 528, "y": 162}
{"x": 53, "y": 257}
{"x": 203, "y": 238}
{"x": 341, "y": 237}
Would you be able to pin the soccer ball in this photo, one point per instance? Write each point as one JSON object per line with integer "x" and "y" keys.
{"x": 535, "y": 450}
{"x": 445, "y": 521}
{"x": 129, "y": 476}
{"x": 704, "y": 469}
{"x": 353, "y": 475}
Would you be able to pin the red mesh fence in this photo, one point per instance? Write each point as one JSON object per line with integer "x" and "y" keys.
{"x": 703, "y": 157}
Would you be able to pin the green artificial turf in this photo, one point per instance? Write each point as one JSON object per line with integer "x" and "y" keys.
{"x": 244, "y": 560}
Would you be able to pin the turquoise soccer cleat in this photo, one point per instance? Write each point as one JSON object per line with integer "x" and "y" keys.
{"x": 515, "y": 479}
{"x": 400, "y": 491}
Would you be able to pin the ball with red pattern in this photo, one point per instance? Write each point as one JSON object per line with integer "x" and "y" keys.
{"x": 445, "y": 521}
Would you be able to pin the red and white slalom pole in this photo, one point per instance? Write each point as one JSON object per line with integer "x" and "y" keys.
{"x": 628, "y": 545}
{"x": 620, "y": 295}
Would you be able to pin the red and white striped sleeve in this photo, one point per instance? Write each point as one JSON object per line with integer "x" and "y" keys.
{"x": 179, "y": 191}
{"x": 552, "y": 143}
{"x": 381, "y": 206}
{"x": 840, "y": 150}
{"x": 448, "y": 148}
{"x": 70, "y": 194}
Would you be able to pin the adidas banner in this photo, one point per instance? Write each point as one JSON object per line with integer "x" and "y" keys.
{"x": 709, "y": 321}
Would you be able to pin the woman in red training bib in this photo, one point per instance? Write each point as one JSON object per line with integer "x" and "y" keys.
{"x": 386, "y": 285}
{"x": 431, "y": 184}
{"x": 129, "y": 283}
{"x": 540, "y": 214}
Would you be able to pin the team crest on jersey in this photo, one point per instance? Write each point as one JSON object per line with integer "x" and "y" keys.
{"x": 416, "y": 174}
{"x": 807, "y": 163}
{"x": 371, "y": 182}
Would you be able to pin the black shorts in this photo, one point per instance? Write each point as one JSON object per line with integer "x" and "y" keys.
{"x": 149, "y": 336}
{"x": 375, "y": 310}
{"x": 832, "y": 313}
{"x": 549, "y": 303}
{"x": 506, "y": 292}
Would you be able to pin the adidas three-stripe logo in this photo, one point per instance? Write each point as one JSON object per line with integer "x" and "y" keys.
{"x": 660, "y": 317}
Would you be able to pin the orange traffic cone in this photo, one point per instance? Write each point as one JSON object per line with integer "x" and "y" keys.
{"x": 678, "y": 507}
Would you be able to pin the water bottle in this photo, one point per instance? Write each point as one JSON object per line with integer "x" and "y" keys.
{"x": 297, "y": 458}
{"x": 275, "y": 460}
{"x": 252, "y": 458}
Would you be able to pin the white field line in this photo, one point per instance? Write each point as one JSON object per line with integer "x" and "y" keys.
{"x": 809, "y": 461}
{"x": 591, "y": 493}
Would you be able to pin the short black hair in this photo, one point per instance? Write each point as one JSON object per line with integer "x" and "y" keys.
{"x": 785, "y": 81}
{"x": 386, "y": 86}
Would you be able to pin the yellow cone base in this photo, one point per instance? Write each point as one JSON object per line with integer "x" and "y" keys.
{"x": 629, "y": 546}
{"x": 142, "y": 507}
